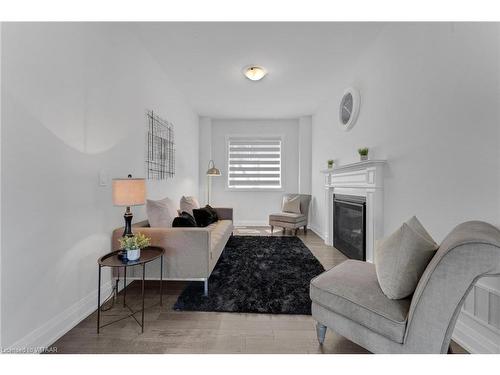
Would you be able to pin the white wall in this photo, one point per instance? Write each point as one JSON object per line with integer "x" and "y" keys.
{"x": 74, "y": 98}
{"x": 429, "y": 105}
{"x": 205, "y": 154}
{"x": 305, "y": 154}
{"x": 253, "y": 207}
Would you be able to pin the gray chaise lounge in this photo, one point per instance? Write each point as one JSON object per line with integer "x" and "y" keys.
{"x": 348, "y": 298}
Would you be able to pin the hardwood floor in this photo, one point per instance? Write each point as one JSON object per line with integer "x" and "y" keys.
{"x": 169, "y": 331}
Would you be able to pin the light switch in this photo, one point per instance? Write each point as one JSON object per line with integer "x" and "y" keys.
{"x": 103, "y": 178}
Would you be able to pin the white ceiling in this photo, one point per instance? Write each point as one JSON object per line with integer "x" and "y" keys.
{"x": 204, "y": 60}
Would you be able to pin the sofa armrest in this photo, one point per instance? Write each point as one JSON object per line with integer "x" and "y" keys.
{"x": 165, "y": 237}
{"x": 187, "y": 250}
{"x": 224, "y": 213}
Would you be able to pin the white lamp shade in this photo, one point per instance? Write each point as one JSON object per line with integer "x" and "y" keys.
{"x": 129, "y": 191}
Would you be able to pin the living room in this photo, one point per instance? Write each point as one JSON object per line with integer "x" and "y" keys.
{"x": 280, "y": 128}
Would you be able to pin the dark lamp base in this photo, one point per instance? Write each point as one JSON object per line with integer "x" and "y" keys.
{"x": 128, "y": 223}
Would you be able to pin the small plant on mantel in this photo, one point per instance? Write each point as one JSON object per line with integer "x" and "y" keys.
{"x": 132, "y": 245}
{"x": 363, "y": 153}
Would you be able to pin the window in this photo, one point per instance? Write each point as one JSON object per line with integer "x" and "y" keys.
{"x": 254, "y": 163}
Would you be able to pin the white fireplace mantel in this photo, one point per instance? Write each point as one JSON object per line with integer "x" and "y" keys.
{"x": 366, "y": 179}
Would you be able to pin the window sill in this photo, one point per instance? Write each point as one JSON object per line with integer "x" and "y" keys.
{"x": 255, "y": 190}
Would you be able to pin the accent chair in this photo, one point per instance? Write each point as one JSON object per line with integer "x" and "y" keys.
{"x": 290, "y": 220}
{"x": 348, "y": 298}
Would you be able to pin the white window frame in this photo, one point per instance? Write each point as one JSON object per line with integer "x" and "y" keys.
{"x": 254, "y": 137}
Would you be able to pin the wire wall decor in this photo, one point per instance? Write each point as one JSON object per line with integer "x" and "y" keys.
{"x": 160, "y": 158}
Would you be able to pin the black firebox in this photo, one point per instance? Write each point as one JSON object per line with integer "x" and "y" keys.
{"x": 349, "y": 225}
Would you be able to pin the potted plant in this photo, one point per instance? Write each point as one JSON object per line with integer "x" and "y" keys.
{"x": 363, "y": 153}
{"x": 330, "y": 164}
{"x": 132, "y": 245}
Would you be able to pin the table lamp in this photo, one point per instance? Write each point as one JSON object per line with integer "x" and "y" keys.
{"x": 129, "y": 192}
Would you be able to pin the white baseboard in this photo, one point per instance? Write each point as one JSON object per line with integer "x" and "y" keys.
{"x": 45, "y": 335}
{"x": 251, "y": 223}
{"x": 476, "y": 336}
{"x": 317, "y": 231}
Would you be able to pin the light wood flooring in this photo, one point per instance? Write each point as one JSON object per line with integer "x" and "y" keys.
{"x": 169, "y": 331}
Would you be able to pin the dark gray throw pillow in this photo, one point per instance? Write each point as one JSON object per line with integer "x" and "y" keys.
{"x": 401, "y": 259}
{"x": 213, "y": 212}
{"x": 205, "y": 216}
{"x": 184, "y": 220}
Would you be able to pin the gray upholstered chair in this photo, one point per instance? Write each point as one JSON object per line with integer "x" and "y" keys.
{"x": 348, "y": 299}
{"x": 293, "y": 221}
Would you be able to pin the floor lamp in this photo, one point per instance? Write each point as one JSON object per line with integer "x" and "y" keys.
{"x": 211, "y": 172}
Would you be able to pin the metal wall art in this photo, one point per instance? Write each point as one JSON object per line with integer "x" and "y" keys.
{"x": 160, "y": 158}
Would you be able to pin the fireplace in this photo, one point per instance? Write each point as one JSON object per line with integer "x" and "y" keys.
{"x": 362, "y": 179}
{"x": 349, "y": 225}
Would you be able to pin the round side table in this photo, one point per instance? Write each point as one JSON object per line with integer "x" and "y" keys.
{"x": 148, "y": 254}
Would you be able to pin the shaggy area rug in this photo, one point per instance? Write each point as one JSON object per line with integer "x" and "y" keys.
{"x": 257, "y": 275}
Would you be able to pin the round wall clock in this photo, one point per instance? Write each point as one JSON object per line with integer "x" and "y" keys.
{"x": 349, "y": 108}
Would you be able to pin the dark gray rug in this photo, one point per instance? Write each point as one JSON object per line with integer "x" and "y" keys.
{"x": 257, "y": 275}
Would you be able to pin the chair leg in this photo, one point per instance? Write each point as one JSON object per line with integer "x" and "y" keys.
{"x": 283, "y": 230}
{"x": 321, "y": 333}
{"x": 305, "y": 229}
{"x": 296, "y": 231}
{"x": 272, "y": 228}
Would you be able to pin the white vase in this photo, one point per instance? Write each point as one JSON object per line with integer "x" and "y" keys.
{"x": 133, "y": 254}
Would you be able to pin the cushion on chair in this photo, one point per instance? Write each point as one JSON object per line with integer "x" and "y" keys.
{"x": 291, "y": 204}
{"x": 417, "y": 226}
{"x": 305, "y": 200}
{"x": 351, "y": 289}
{"x": 401, "y": 258}
{"x": 288, "y": 217}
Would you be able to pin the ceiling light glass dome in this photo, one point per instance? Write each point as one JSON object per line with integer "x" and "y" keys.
{"x": 254, "y": 73}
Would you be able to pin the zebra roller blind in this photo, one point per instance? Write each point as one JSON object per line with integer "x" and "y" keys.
{"x": 254, "y": 163}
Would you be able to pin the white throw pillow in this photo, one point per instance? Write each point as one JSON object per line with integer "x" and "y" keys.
{"x": 291, "y": 205}
{"x": 161, "y": 213}
{"x": 187, "y": 204}
{"x": 401, "y": 259}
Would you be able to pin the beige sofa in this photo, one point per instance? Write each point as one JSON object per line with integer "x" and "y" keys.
{"x": 190, "y": 253}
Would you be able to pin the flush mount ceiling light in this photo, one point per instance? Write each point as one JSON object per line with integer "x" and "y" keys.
{"x": 254, "y": 73}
